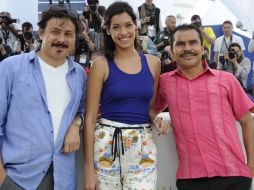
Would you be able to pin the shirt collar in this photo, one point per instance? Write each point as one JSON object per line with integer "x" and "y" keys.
{"x": 207, "y": 69}
{"x": 33, "y": 54}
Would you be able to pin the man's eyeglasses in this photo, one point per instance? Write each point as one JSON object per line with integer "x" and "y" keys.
{"x": 60, "y": 8}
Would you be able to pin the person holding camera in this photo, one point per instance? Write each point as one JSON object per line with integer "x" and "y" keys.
{"x": 162, "y": 39}
{"x": 149, "y": 18}
{"x": 221, "y": 45}
{"x": 87, "y": 43}
{"x": 207, "y": 32}
{"x": 8, "y": 33}
{"x": 241, "y": 65}
{"x": 94, "y": 13}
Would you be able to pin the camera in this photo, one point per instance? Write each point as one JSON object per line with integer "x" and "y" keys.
{"x": 198, "y": 24}
{"x": 92, "y": 5}
{"x": 1, "y": 40}
{"x": 166, "y": 40}
{"x": 204, "y": 57}
{"x": 221, "y": 59}
{"x": 151, "y": 14}
{"x": 7, "y": 21}
{"x": 231, "y": 54}
{"x": 165, "y": 55}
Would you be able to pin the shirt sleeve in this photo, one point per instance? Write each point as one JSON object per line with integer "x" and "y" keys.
{"x": 5, "y": 87}
{"x": 216, "y": 45}
{"x": 81, "y": 108}
{"x": 239, "y": 101}
{"x": 161, "y": 98}
{"x": 251, "y": 46}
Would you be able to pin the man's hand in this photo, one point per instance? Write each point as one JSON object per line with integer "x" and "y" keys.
{"x": 2, "y": 176}
{"x": 72, "y": 139}
{"x": 162, "y": 126}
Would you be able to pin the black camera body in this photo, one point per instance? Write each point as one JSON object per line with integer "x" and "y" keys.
{"x": 166, "y": 40}
{"x": 198, "y": 24}
{"x": 231, "y": 55}
{"x": 7, "y": 21}
{"x": 92, "y": 5}
{"x": 165, "y": 55}
{"x": 221, "y": 59}
{"x": 1, "y": 40}
{"x": 151, "y": 15}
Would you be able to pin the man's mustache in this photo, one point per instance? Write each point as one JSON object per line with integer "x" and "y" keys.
{"x": 189, "y": 53}
{"x": 61, "y": 45}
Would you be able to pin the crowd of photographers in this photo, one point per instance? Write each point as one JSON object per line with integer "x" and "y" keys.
{"x": 152, "y": 37}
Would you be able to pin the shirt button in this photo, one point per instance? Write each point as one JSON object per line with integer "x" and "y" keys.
{"x": 44, "y": 172}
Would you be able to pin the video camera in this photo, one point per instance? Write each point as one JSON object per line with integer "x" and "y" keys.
{"x": 92, "y": 5}
{"x": 7, "y": 21}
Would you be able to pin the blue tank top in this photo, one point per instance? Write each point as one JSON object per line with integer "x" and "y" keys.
{"x": 126, "y": 97}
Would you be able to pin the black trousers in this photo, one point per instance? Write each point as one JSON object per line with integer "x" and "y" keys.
{"x": 215, "y": 183}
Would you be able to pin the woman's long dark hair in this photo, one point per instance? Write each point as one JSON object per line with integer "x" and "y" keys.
{"x": 115, "y": 8}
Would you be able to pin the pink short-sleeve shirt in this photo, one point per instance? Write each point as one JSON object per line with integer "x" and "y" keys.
{"x": 204, "y": 111}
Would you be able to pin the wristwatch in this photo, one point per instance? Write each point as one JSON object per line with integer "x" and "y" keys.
{"x": 79, "y": 122}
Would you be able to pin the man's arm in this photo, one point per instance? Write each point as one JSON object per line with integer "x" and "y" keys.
{"x": 2, "y": 171}
{"x": 72, "y": 137}
{"x": 209, "y": 36}
{"x": 247, "y": 124}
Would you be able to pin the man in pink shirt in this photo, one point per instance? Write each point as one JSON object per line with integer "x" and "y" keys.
{"x": 204, "y": 105}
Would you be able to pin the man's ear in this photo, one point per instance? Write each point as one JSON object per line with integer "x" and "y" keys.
{"x": 40, "y": 33}
{"x": 172, "y": 53}
{"x": 107, "y": 31}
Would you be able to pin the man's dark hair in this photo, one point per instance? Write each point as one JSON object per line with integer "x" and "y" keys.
{"x": 26, "y": 25}
{"x": 115, "y": 8}
{"x": 227, "y": 22}
{"x": 195, "y": 17}
{"x": 185, "y": 27}
{"x": 235, "y": 44}
{"x": 61, "y": 12}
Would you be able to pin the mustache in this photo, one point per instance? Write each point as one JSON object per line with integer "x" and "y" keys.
{"x": 189, "y": 53}
{"x": 61, "y": 45}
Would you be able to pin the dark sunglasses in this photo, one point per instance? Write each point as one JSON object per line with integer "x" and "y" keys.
{"x": 57, "y": 8}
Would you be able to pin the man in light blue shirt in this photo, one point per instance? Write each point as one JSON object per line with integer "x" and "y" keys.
{"x": 41, "y": 109}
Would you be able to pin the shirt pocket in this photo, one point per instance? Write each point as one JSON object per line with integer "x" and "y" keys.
{"x": 26, "y": 94}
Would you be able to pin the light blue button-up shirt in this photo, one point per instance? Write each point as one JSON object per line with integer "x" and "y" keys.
{"x": 26, "y": 130}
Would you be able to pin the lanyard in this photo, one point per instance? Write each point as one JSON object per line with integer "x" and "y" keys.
{"x": 230, "y": 42}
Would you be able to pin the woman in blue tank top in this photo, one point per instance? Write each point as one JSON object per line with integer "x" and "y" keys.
{"x": 120, "y": 152}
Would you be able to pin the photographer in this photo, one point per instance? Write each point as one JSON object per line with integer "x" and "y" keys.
{"x": 162, "y": 39}
{"x": 7, "y": 31}
{"x": 167, "y": 62}
{"x": 221, "y": 45}
{"x": 94, "y": 13}
{"x": 235, "y": 62}
{"x": 150, "y": 20}
{"x": 205, "y": 57}
{"x": 87, "y": 43}
{"x": 5, "y": 50}
{"x": 24, "y": 44}
{"x": 207, "y": 32}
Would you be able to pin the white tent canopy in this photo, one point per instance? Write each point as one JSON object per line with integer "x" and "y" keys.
{"x": 213, "y": 12}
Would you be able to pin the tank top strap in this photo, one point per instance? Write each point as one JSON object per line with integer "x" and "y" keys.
{"x": 145, "y": 67}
